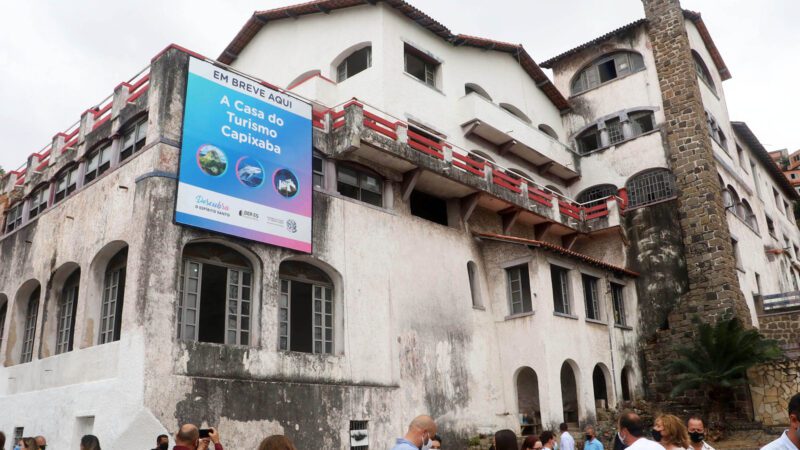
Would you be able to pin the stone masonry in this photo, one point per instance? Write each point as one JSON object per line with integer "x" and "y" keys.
{"x": 714, "y": 291}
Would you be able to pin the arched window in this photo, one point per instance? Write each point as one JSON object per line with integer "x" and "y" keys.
{"x": 306, "y": 309}
{"x": 736, "y": 203}
{"x": 29, "y": 326}
{"x": 481, "y": 156}
{"x": 749, "y": 215}
{"x": 601, "y": 386}
{"x": 702, "y": 71}
{"x": 359, "y": 183}
{"x": 472, "y": 87}
{"x": 216, "y": 295}
{"x": 597, "y": 192}
{"x": 516, "y": 111}
{"x": 358, "y": 61}
{"x": 66, "y": 311}
{"x": 474, "y": 286}
{"x": 548, "y": 130}
{"x": 588, "y": 140}
{"x": 518, "y": 174}
{"x": 606, "y": 68}
{"x": 650, "y": 186}
{"x": 113, "y": 298}
{"x": 626, "y": 379}
{"x": 554, "y": 189}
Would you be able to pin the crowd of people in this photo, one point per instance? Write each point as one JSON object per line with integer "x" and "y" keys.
{"x": 668, "y": 433}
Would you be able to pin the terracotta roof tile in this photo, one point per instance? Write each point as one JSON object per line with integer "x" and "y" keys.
{"x": 560, "y": 250}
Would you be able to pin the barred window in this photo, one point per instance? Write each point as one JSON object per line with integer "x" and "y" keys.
{"x": 598, "y": 192}
{"x": 650, "y": 186}
{"x": 614, "y": 129}
{"x": 560, "y": 279}
{"x": 305, "y": 309}
{"x": 29, "y": 331}
{"x": 14, "y": 218}
{"x": 67, "y": 308}
{"x": 66, "y": 184}
{"x": 133, "y": 139}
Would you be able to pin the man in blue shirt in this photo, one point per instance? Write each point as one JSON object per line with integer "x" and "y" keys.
{"x": 420, "y": 435}
{"x": 591, "y": 443}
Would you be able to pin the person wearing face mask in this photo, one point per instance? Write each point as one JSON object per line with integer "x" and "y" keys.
{"x": 162, "y": 442}
{"x": 790, "y": 439}
{"x": 591, "y": 442}
{"x": 548, "y": 440}
{"x": 697, "y": 433}
{"x": 420, "y": 434}
{"x": 567, "y": 441}
{"x": 669, "y": 431}
{"x": 630, "y": 432}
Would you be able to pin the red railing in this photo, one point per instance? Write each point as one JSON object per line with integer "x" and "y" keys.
{"x": 427, "y": 146}
{"x": 473, "y": 166}
{"x": 539, "y": 196}
{"x": 501, "y": 179}
{"x": 102, "y": 115}
{"x": 318, "y": 119}
{"x": 138, "y": 88}
{"x": 593, "y": 212}
{"x": 569, "y": 209}
{"x": 380, "y": 125}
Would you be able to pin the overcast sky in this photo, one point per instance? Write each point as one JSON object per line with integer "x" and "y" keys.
{"x": 57, "y": 58}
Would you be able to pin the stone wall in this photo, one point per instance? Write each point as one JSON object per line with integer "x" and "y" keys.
{"x": 771, "y": 387}
{"x": 783, "y": 327}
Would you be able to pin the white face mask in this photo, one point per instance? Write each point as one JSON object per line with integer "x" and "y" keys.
{"x": 426, "y": 444}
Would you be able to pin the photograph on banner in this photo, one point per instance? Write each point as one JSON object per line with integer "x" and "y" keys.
{"x": 245, "y": 167}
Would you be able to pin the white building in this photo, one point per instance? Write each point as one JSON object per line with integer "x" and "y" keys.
{"x": 471, "y": 255}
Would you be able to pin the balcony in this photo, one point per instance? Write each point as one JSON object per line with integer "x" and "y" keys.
{"x": 510, "y": 134}
{"x": 442, "y": 169}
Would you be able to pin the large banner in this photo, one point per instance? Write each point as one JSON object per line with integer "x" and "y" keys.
{"x": 245, "y": 166}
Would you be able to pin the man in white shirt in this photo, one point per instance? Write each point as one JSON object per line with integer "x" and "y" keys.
{"x": 567, "y": 441}
{"x": 790, "y": 439}
{"x": 697, "y": 433}
{"x": 630, "y": 433}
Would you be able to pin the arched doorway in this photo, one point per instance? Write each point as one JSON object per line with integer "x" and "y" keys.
{"x": 627, "y": 392}
{"x": 602, "y": 388}
{"x": 530, "y": 415}
{"x": 569, "y": 394}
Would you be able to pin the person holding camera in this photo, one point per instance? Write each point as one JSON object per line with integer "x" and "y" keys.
{"x": 189, "y": 437}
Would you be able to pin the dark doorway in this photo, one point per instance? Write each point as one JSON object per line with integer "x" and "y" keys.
{"x": 212, "y": 304}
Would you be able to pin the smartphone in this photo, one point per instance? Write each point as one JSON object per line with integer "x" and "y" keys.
{"x": 204, "y": 433}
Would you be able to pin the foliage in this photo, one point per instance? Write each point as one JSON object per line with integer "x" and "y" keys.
{"x": 719, "y": 359}
{"x": 2, "y": 171}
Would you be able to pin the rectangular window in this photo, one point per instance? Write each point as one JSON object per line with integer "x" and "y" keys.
{"x": 519, "y": 289}
{"x": 66, "y": 319}
{"x": 758, "y": 283}
{"x": 421, "y": 66}
{"x": 607, "y": 71}
{"x": 14, "y": 218}
{"x": 742, "y": 159}
{"x": 318, "y": 167}
{"x": 428, "y": 207}
{"x": 299, "y": 302}
{"x": 111, "y": 312}
{"x": 66, "y": 184}
{"x": 29, "y": 331}
{"x": 591, "y": 296}
{"x": 770, "y": 226}
{"x": 642, "y": 122}
{"x": 755, "y": 178}
{"x": 614, "y": 129}
{"x": 787, "y": 209}
{"x": 19, "y": 432}
{"x": 97, "y": 163}
{"x": 133, "y": 140}
{"x": 777, "y": 198}
{"x": 39, "y": 201}
{"x": 560, "y": 279}
{"x": 588, "y": 140}
{"x": 360, "y": 185}
{"x": 737, "y": 258}
{"x": 619, "y": 304}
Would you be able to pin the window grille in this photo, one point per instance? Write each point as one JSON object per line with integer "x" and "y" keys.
{"x": 591, "y": 297}
{"x": 18, "y": 433}
{"x": 66, "y": 315}
{"x": 519, "y": 289}
{"x": 599, "y": 192}
{"x": 560, "y": 279}
{"x": 614, "y": 129}
{"x": 359, "y": 435}
{"x": 30, "y": 327}
{"x": 650, "y": 187}
{"x": 619, "y": 304}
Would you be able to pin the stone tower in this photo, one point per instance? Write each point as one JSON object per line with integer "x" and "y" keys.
{"x": 713, "y": 287}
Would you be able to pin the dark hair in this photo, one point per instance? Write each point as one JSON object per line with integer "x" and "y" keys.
{"x": 505, "y": 440}
{"x": 529, "y": 442}
{"x": 696, "y": 417}
{"x": 90, "y": 442}
{"x": 30, "y": 443}
{"x": 276, "y": 442}
{"x": 2, "y": 440}
{"x": 161, "y": 436}
{"x": 794, "y": 406}
{"x": 631, "y": 422}
{"x": 437, "y": 438}
{"x": 546, "y": 436}
{"x": 563, "y": 427}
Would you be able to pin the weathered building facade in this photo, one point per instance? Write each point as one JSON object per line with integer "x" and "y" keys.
{"x": 490, "y": 247}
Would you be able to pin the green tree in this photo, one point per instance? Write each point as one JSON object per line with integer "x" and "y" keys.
{"x": 2, "y": 171}
{"x": 717, "y": 362}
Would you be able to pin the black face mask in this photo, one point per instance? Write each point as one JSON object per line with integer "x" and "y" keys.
{"x": 588, "y": 437}
{"x": 656, "y": 435}
{"x": 697, "y": 437}
{"x": 163, "y": 446}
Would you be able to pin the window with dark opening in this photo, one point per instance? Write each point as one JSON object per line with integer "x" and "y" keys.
{"x": 360, "y": 185}
{"x": 605, "y": 69}
{"x": 216, "y": 293}
{"x": 619, "y": 304}
{"x": 642, "y": 122}
{"x": 39, "y": 199}
{"x": 29, "y": 330}
{"x": 596, "y": 193}
{"x": 428, "y": 207}
{"x": 519, "y": 289}
{"x": 66, "y": 184}
{"x": 560, "y": 279}
{"x": 702, "y": 71}
{"x": 133, "y": 139}
{"x": 770, "y": 226}
{"x": 588, "y": 140}
{"x": 591, "y": 296}
{"x": 358, "y": 61}
{"x": 113, "y": 297}
{"x": 3, "y": 314}
{"x": 420, "y": 66}
{"x": 474, "y": 286}
{"x": 650, "y": 186}
{"x": 305, "y": 321}
{"x": 14, "y": 217}
{"x": 318, "y": 168}
{"x": 67, "y": 309}
{"x": 97, "y": 163}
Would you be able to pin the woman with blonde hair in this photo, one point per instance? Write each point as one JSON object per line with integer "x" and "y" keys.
{"x": 276, "y": 442}
{"x": 670, "y": 432}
